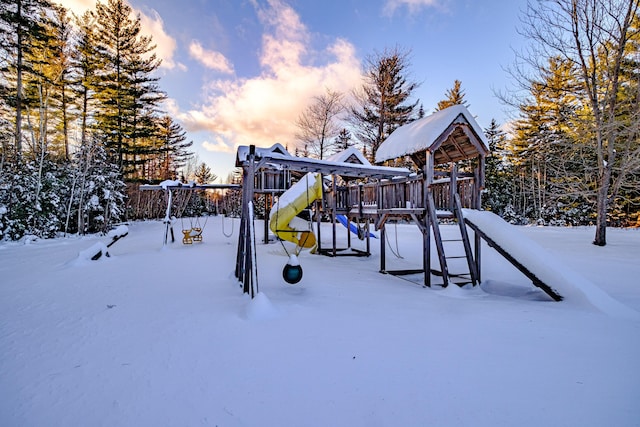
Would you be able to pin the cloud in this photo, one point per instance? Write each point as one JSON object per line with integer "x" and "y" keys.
{"x": 262, "y": 110}
{"x": 151, "y": 24}
{"x": 210, "y": 59}
{"x": 413, "y": 5}
{"x": 217, "y": 146}
{"x": 77, "y": 6}
{"x": 165, "y": 44}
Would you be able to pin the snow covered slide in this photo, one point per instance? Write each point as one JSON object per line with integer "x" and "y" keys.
{"x": 545, "y": 270}
{"x": 283, "y": 220}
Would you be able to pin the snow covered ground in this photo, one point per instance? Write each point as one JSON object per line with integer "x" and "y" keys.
{"x": 155, "y": 336}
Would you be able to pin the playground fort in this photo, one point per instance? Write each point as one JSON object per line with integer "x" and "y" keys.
{"x": 448, "y": 148}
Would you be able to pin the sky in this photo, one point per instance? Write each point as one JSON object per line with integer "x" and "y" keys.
{"x": 239, "y": 72}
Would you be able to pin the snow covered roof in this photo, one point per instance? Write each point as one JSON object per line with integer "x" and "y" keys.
{"x": 243, "y": 152}
{"x": 350, "y": 155}
{"x": 450, "y": 135}
{"x": 328, "y": 167}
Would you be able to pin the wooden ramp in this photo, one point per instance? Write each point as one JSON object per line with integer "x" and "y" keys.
{"x": 485, "y": 224}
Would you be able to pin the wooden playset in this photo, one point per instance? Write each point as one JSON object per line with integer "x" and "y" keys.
{"x": 448, "y": 151}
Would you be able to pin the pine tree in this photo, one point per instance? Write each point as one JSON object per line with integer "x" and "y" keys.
{"x": 173, "y": 152}
{"x": 498, "y": 194}
{"x": 45, "y": 88}
{"x": 455, "y": 96}
{"x": 62, "y": 35}
{"x": 382, "y": 103}
{"x": 550, "y": 156}
{"x": 342, "y": 141}
{"x": 22, "y": 213}
{"x": 21, "y": 27}
{"x": 204, "y": 175}
{"x": 98, "y": 199}
{"x": 85, "y": 61}
{"x": 126, "y": 91}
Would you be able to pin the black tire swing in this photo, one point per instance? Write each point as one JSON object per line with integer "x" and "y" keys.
{"x": 292, "y": 271}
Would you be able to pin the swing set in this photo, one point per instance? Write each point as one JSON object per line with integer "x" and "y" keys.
{"x": 192, "y": 233}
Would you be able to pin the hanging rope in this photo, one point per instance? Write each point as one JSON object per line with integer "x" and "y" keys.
{"x": 397, "y": 251}
{"x": 223, "y": 229}
{"x": 292, "y": 272}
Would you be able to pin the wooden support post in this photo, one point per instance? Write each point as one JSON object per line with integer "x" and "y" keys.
{"x": 476, "y": 249}
{"x": 477, "y": 187}
{"x": 240, "y": 254}
{"x": 426, "y": 235}
{"x": 383, "y": 239}
{"x": 453, "y": 185}
{"x": 437, "y": 237}
{"x": 244, "y": 258}
{"x": 268, "y": 203}
{"x": 368, "y": 236}
{"x": 479, "y": 182}
{"x": 334, "y": 203}
{"x": 167, "y": 219}
{"x": 248, "y": 247}
{"x": 465, "y": 241}
{"x": 319, "y": 212}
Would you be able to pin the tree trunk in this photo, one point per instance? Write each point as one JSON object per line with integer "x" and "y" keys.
{"x": 19, "y": 83}
{"x": 601, "y": 208}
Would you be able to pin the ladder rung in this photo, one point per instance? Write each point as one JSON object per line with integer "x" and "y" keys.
{"x": 462, "y": 275}
{"x": 456, "y": 257}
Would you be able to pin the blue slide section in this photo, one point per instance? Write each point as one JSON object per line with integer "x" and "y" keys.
{"x": 352, "y": 226}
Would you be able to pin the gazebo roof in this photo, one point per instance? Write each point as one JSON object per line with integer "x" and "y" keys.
{"x": 450, "y": 135}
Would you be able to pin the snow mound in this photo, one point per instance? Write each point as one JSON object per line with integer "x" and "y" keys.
{"x": 119, "y": 231}
{"x": 87, "y": 254}
{"x": 260, "y": 308}
{"x": 546, "y": 265}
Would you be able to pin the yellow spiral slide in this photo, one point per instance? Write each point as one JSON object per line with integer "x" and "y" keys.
{"x": 282, "y": 219}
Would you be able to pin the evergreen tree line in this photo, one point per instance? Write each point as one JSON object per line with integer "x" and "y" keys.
{"x": 79, "y": 117}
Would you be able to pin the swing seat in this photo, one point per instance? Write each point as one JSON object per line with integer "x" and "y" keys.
{"x": 196, "y": 234}
{"x": 187, "y": 239}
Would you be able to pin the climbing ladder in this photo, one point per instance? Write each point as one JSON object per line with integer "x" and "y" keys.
{"x": 453, "y": 249}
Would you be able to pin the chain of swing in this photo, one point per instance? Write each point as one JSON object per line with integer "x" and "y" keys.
{"x": 292, "y": 271}
{"x": 195, "y": 230}
{"x": 225, "y": 212}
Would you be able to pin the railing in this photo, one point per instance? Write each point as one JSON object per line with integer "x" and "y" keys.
{"x": 404, "y": 193}
{"x": 441, "y": 191}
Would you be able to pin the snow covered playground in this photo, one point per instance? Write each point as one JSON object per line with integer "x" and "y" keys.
{"x": 409, "y": 306}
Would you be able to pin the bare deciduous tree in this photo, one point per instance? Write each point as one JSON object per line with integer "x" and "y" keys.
{"x": 318, "y": 124}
